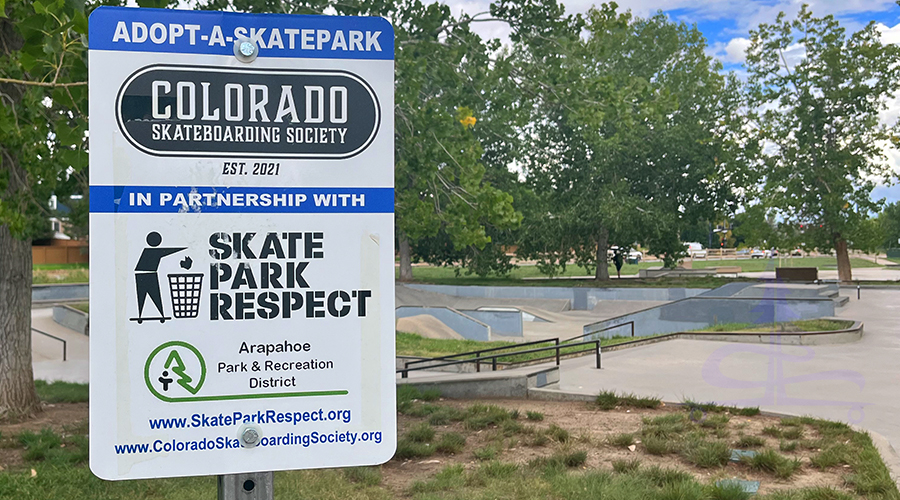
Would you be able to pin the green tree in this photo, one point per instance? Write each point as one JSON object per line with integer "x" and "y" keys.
{"x": 43, "y": 119}
{"x": 444, "y": 91}
{"x": 889, "y": 220}
{"x": 635, "y": 133}
{"x": 821, "y": 116}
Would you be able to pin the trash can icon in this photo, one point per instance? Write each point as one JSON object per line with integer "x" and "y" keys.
{"x": 186, "y": 289}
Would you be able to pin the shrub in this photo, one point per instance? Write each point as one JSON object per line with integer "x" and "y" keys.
{"x": 745, "y": 441}
{"x": 658, "y": 446}
{"x": 511, "y": 428}
{"x": 625, "y": 466}
{"x": 715, "y": 422}
{"x": 622, "y": 440}
{"x": 534, "y": 415}
{"x": 773, "y": 463}
{"x": 772, "y": 431}
{"x": 787, "y": 445}
{"x": 661, "y": 477}
{"x": 407, "y": 449}
{"x": 558, "y": 434}
{"x": 483, "y": 416}
{"x": 792, "y": 433}
{"x": 832, "y": 456}
{"x": 420, "y": 433}
{"x": 727, "y": 491}
{"x": 446, "y": 414}
{"x": 706, "y": 454}
{"x": 607, "y": 400}
{"x": 450, "y": 442}
{"x": 488, "y": 452}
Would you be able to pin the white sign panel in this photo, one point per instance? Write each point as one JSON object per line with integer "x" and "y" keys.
{"x": 242, "y": 252}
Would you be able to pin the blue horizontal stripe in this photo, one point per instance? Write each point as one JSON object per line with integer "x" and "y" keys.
{"x": 218, "y": 200}
{"x": 173, "y": 34}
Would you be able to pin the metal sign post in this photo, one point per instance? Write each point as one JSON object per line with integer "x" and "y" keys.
{"x": 253, "y": 486}
{"x": 242, "y": 245}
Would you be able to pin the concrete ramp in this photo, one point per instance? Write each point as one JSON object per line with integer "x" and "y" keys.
{"x": 427, "y": 326}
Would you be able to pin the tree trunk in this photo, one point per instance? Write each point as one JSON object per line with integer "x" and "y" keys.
{"x": 17, "y": 395}
{"x": 405, "y": 258}
{"x": 845, "y": 273}
{"x": 602, "y": 273}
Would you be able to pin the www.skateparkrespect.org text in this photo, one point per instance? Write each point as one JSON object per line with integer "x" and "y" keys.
{"x": 260, "y": 276}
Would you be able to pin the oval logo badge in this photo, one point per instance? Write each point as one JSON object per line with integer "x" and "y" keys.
{"x": 168, "y": 110}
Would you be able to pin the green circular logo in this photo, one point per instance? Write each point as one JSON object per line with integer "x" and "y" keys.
{"x": 175, "y": 371}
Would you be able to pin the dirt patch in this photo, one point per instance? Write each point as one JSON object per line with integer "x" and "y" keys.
{"x": 589, "y": 430}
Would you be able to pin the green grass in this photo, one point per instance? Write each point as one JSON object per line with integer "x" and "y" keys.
{"x": 82, "y": 306}
{"x": 420, "y": 433}
{"x": 57, "y": 267}
{"x": 626, "y": 466}
{"x": 758, "y": 265}
{"x": 608, "y": 400}
{"x": 411, "y": 344}
{"x": 745, "y": 441}
{"x": 773, "y": 463}
{"x": 60, "y": 275}
{"x": 61, "y": 392}
{"x": 451, "y": 275}
{"x": 806, "y": 325}
{"x": 621, "y": 440}
{"x": 431, "y": 273}
{"x": 534, "y": 416}
{"x": 450, "y": 442}
{"x": 706, "y": 454}
{"x": 447, "y": 276}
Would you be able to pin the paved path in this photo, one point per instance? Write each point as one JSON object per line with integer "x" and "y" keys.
{"x": 46, "y": 353}
{"x": 857, "y": 382}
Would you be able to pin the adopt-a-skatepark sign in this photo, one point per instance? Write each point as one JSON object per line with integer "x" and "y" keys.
{"x": 242, "y": 269}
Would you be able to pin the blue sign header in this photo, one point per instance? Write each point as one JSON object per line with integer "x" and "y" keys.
{"x": 260, "y": 200}
{"x": 276, "y": 35}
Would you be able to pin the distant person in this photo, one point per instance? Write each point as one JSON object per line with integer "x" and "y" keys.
{"x": 145, "y": 273}
{"x": 619, "y": 261}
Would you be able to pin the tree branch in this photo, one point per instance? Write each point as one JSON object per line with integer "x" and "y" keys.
{"x": 41, "y": 84}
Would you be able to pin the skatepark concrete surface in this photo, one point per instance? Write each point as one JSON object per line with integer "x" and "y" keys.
{"x": 855, "y": 383}
{"x": 46, "y": 353}
{"x": 554, "y": 317}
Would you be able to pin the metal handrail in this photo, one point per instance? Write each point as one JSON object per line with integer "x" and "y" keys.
{"x": 53, "y": 337}
{"x": 603, "y": 330}
{"x": 404, "y": 372}
{"x": 478, "y": 353}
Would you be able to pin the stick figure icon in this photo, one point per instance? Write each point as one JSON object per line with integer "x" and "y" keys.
{"x": 164, "y": 380}
{"x": 146, "y": 278}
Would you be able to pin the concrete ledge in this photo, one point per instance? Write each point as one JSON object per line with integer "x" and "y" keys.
{"x": 851, "y": 334}
{"x": 67, "y": 292}
{"x": 72, "y": 318}
{"x": 494, "y": 385}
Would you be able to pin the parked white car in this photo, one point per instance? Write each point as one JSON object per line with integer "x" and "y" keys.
{"x": 695, "y": 250}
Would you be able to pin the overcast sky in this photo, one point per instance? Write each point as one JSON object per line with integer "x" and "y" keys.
{"x": 727, "y": 23}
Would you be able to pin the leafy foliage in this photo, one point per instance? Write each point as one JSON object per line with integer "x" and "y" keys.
{"x": 821, "y": 115}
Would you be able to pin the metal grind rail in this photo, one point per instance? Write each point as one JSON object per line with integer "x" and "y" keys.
{"x": 55, "y": 338}
{"x": 404, "y": 373}
{"x": 477, "y": 356}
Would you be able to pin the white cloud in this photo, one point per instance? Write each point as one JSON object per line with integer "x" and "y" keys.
{"x": 732, "y": 52}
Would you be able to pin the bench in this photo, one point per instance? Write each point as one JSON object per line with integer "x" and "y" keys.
{"x": 808, "y": 274}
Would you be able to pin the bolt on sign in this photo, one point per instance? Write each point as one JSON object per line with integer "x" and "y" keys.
{"x": 242, "y": 270}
